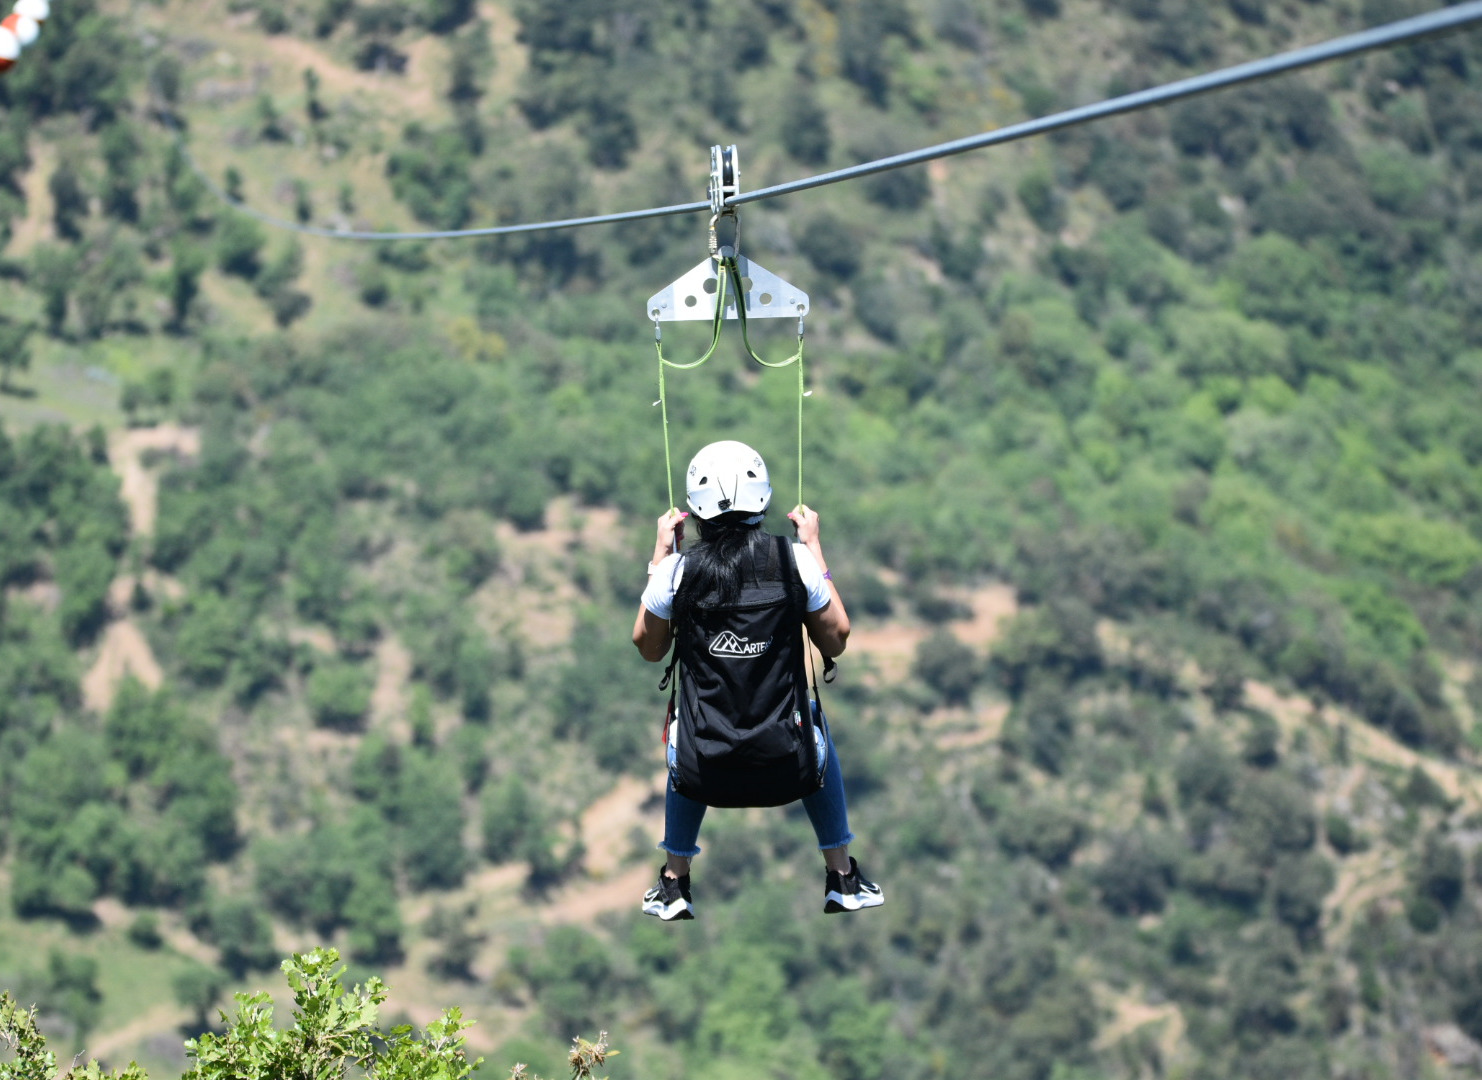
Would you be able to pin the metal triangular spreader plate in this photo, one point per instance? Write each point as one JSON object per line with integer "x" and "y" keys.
{"x": 692, "y": 297}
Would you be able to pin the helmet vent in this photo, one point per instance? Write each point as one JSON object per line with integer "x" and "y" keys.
{"x": 751, "y": 474}
{"x": 704, "y": 480}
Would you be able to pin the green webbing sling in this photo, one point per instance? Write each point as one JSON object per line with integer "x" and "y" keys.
{"x": 729, "y": 278}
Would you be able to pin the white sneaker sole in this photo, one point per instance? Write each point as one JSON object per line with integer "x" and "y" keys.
{"x": 679, "y": 909}
{"x": 836, "y": 902}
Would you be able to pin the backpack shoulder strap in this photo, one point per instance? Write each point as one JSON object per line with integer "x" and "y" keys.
{"x": 673, "y": 657}
{"x": 787, "y": 563}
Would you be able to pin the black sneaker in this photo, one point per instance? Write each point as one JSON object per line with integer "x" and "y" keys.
{"x": 670, "y": 898}
{"x": 851, "y": 891}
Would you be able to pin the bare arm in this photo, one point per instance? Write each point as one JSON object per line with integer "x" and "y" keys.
{"x": 652, "y": 634}
{"x": 828, "y": 626}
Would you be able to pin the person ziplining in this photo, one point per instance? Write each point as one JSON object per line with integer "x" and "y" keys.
{"x": 741, "y": 729}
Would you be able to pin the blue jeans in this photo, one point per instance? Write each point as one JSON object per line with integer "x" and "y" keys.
{"x": 826, "y": 810}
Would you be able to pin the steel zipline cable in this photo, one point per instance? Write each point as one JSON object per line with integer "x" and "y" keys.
{"x": 1396, "y": 33}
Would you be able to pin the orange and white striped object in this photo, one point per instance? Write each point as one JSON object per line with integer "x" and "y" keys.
{"x": 20, "y": 29}
{"x": 23, "y": 27}
{"x": 10, "y": 49}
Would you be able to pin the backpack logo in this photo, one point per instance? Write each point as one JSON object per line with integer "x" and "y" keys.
{"x": 728, "y": 644}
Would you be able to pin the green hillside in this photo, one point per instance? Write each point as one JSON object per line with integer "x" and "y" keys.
{"x": 1148, "y": 463}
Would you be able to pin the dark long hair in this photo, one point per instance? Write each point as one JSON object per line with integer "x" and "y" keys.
{"x": 714, "y": 567}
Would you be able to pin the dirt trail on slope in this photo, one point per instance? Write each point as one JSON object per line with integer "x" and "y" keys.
{"x": 1375, "y": 875}
{"x": 393, "y": 672}
{"x": 124, "y": 651}
{"x": 1362, "y": 879}
{"x": 606, "y": 830}
{"x": 1365, "y": 741}
{"x": 891, "y": 648}
{"x": 35, "y": 227}
{"x": 1130, "y": 1016}
{"x": 140, "y": 489}
{"x": 534, "y": 577}
{"x": 607, "y": 824}
{"x": 110, "y": 1044}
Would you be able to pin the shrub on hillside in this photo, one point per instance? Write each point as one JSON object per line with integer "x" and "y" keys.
{"x": 339, "y": 694}
{"x": 1044, "y": 831}
{"x": 947, "y": 666}
{"x": 239, "y": 244}
{"x": 1135, "y": 876}
{"x": 831, "y": 245}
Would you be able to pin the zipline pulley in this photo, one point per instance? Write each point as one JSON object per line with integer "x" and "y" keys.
{"x": 693, "y": 297}
{"x": 725, "y": 178}
{"x": 725, "y": 183}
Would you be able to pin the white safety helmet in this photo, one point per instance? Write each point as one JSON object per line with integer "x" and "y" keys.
{"x": 725, "y": 477}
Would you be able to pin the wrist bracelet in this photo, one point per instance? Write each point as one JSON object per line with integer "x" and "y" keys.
{"x": 827, "y": 576}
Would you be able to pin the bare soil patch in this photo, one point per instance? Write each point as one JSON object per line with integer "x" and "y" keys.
{"x": 1365, "y": 741}
{"x": 35, "y": 227}
{"x": 891, "y": 647}
{"x": 316, "y": 637}
{"x": 140, "y": 489}
{"x": 393, "y": 672}
{"x": 982, "y": 726}
{"x": 42, "y": 594}
{"x": 111, "y": 1044}
{"x": 1130, "y": 1015}
{"x": 116, "y": 915}
{"x": 1362, "y": 879}
{"x": 124, "y": 651}
{"x": 584, "y": 903}
{"x": 607, "y": 823}
{"x": 535, "y": 582}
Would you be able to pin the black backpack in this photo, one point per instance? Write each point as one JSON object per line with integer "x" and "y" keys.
{"x": 746, "y": 731}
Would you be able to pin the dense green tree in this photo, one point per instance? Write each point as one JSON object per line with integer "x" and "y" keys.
{"x": 1136, "y": 874}
{"x": 432, "y": 820}
{"x": 15, "y": 353}
{"x": 430, "y": 174}
{"x": 243, "y": 934}
{"x": 239, "y": 244}
{"x": 121, "y": 154}
{"x": 84, "y": 573}
{"x": 69, "y": 200}
{"x": 1298, "y": 886}
{"x": 1441, "y": 871}
{"x": 510, "y": 813}
{"x": 571, "y": 973}
{"x": 374, "y": 920}
{"x": 198, "y": 988}
{"x": 947, "y": 666}
{"x": 339, "y": 694}
{"x": 52, "y": 269}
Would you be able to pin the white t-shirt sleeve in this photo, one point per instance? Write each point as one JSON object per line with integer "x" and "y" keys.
{"x": 658, "y": 597}
{"x": 811, "y": 573}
